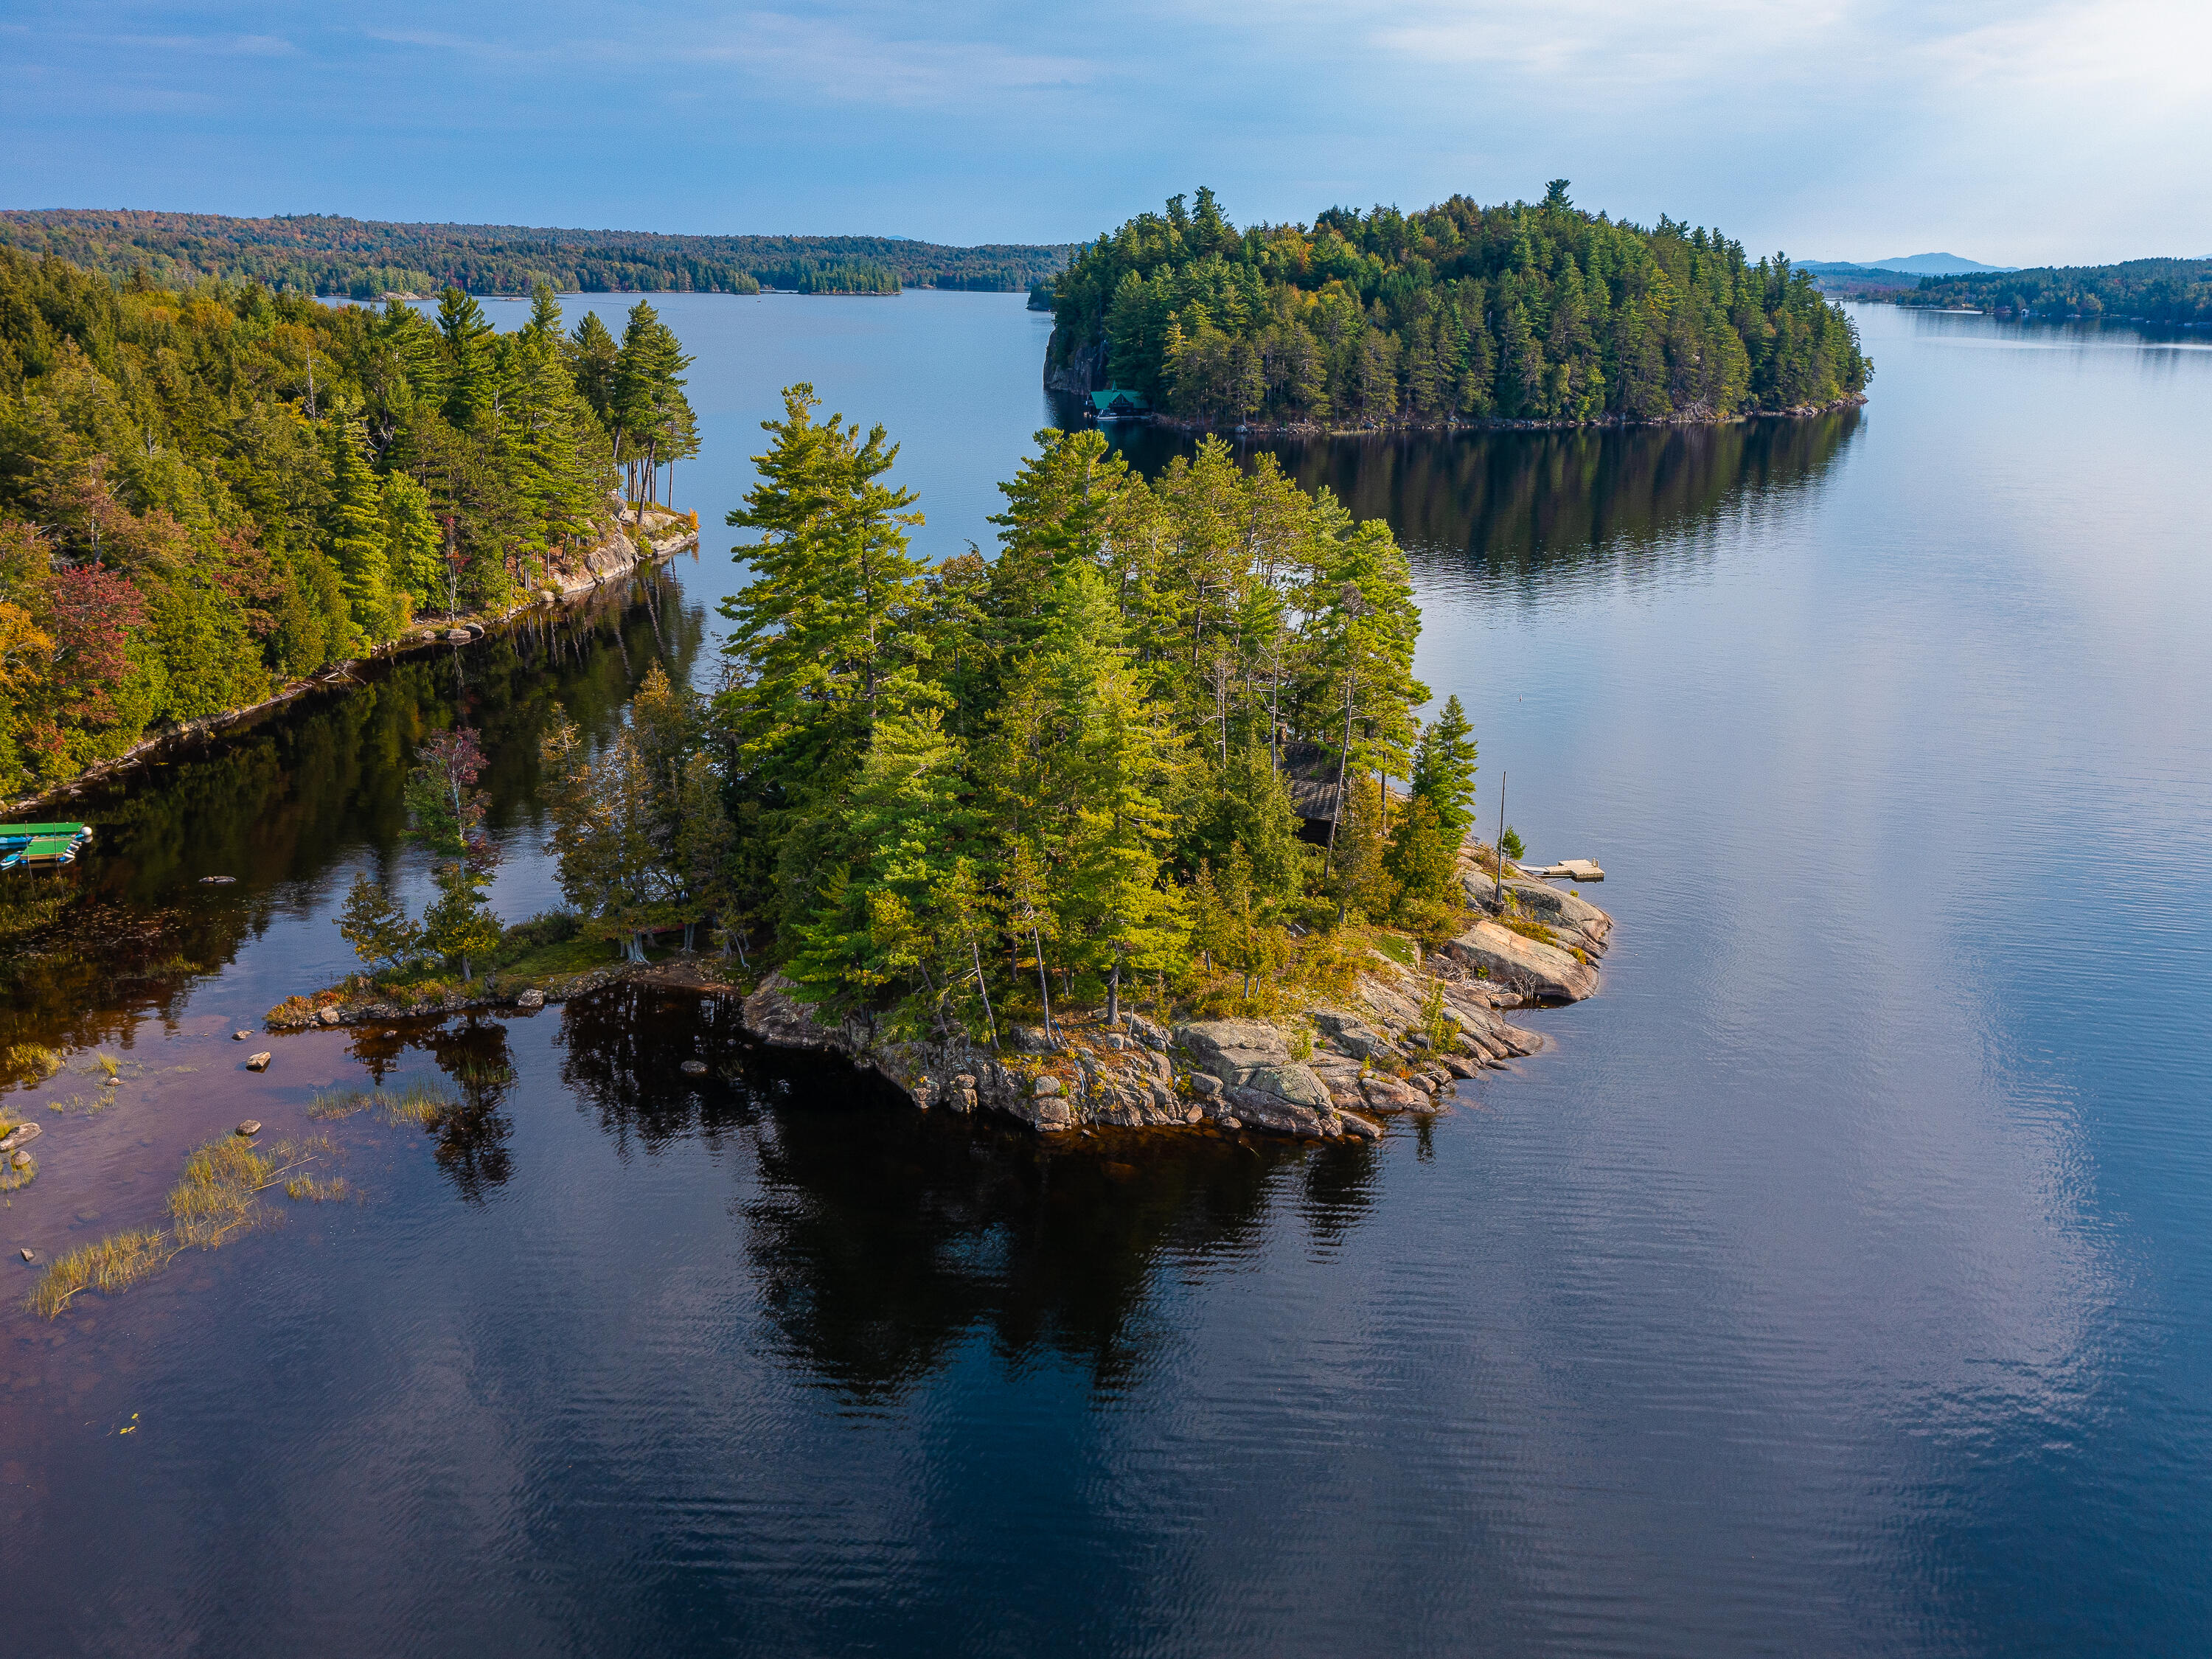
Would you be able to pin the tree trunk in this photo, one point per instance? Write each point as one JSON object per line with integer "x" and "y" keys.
{"x": 990, "y": 1020}
{"x": 1044, "y": 992}
{"x": 1343, "y": 760}
{"x": 1114, "y": 994}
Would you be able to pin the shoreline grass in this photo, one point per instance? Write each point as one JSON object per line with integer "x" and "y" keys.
{"x": 218, "y": 1195}
{"x": 418, "y": 1101}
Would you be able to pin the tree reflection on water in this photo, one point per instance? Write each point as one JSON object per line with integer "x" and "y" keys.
{"x": 882, "y": 1238}
{"x": 277, "y": 807}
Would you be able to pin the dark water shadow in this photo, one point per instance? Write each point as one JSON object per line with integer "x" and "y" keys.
{"x": 883, "y": 1238}
{"x": 1537, "y": 508}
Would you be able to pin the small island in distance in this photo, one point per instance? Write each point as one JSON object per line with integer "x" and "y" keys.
{"x": 1528, "y": 313}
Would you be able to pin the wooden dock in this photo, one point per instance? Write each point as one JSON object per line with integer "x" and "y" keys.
{"x": 41, "y": 844}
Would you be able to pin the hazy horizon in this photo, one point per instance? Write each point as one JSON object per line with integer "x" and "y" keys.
{"x": 2062, "y": 134}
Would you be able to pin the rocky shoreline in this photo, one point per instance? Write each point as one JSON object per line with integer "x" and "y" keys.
{"x": 614, "y": 556}
{"x": 1695, "y": 414}
{"x": 1397, "y": 1042}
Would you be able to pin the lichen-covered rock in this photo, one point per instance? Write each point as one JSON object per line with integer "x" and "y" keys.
{"x": 1146, "y": 1031}
{"x": 1388, "y": 1094}
{"x": 1231, "y": 1047}
{"x": 1293, "y": 1082}
{"x": 775, "y": 1016}
{"x": 1529, "y": 965}
{"x": 1283, "y": 1117}
{"x": 1349, "y": 1034}
{"x": 1577, "y": 921}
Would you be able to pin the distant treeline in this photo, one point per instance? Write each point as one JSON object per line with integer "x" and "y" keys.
{"x": 319, "y": 253}
{"x": 1527, "y": 312}
{"x": 2154, "y": 290}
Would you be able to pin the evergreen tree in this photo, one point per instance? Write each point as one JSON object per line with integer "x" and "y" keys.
{"x": 590, "y": 354}
{"x": 1443, "y": 768}
{"x": 824, "y": 635}
{"x": 460, "y": 925}
{"x": 1423, "y": 865}
{"x": 467, "y": 334}
{"x": 360, "y": 537}
{"x": 377, "y": 926}
{"x": 412, "y": 540}
{"x": 1361, "y": 641}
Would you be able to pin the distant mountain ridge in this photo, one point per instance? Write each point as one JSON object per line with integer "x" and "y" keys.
{"x": 323, "y": 254}
{"x": 1936, "y": 264}
{"x": 1910, "y": 265}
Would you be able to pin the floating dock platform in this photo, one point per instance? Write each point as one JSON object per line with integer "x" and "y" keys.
{"x": 41, "y": 844}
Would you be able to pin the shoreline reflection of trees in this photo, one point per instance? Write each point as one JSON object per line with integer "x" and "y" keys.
{"x": 883, "y": 1239}
{"x": 1534, "y": 505}
{"x": 87, "y": 951}
{"x": 473, "y": 1133}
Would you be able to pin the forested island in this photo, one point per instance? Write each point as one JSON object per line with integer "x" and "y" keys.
{"x": 367, "y": 259}
{"x": 1142, "y": 757}
{"x": 2140, "y": 291}
{"x": 1525, "y": 312}
{"x": 207, "y": 496}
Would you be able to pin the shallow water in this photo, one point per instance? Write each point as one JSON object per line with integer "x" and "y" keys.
{"x": 1839, "y": 1283}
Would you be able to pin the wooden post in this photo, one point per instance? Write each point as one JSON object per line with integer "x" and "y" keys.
{"x": 1498, "y": 870}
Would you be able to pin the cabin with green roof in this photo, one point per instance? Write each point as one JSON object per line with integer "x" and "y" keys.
{"x": 1117, "y": 404}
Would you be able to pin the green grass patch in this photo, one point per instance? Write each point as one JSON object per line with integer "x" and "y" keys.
{"x": 218, "y": 1196}
{"x": 1404, "y": 951}
{"x": 547, "y": 947}
{"x": 419, "y": 1102}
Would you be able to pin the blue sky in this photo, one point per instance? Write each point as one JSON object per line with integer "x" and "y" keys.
{"x": 2014, "y": 132}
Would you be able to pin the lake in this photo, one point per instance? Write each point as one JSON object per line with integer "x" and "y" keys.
{"x": 1840, "y": 1282}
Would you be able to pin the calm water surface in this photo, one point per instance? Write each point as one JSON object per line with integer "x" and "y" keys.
{"x": 1841, "y": 1283}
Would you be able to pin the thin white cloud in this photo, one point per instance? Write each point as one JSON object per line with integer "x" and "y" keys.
{"x": 226, "y": 45}
{"x": 841, "y": 61}
{"x": 852, "y": 63}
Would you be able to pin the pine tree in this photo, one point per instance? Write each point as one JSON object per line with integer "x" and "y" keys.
{"x": 1423, "y": 865}
{"x": 469, "y": 383}
{"x": 412, "y": 543}
{"x": 1443, "y": 768}
{"x": 359, "y": 536}
{"x": 888, "y": 915}
{"x": 705, "y": 843}
{"x": 376, "y": 925}
{"x": 459, "y": 924}
{"x": 823, "y": 633}
{"x": 1362, "y": 625}
{"x": 1122, "y": 917}
{"x": 591, "y": 352}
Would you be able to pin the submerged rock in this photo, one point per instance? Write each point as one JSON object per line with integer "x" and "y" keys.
{"x": 693, "y": 1068}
